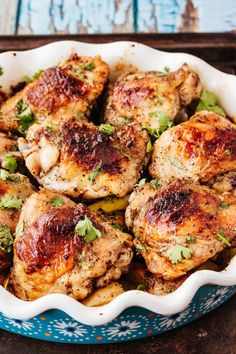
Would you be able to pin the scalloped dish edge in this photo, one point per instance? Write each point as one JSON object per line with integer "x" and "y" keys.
{"x": 18, "y": 64}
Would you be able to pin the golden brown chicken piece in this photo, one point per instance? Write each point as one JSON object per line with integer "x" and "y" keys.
{"x": 65, "y": 248}
{"x": 14, "y": 189}
{"x": 200, "y": 148}
{"x": 179, "y": 226}
{"x": 80, "y": 159}
{"x": 71, "y": 88}
{"x": 153, "y": 99}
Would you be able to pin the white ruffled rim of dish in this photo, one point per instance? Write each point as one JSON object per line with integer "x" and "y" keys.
{"x": 16, "y": 65}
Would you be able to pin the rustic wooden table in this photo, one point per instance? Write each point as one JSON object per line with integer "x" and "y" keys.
{"x": 214, "y": 333}
{"x": 211, "y": 334}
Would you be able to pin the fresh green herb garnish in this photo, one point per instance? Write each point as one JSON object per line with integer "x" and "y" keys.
{"x": 79, "y": 116}
{"x": 49, "y": 128}
{"x": 6, "y": 239}
{"x": 1, "y": 71}
{"x": 228, "y": 152}
{"x": 141, "y": 182}
{"x": 25, "y": 115}
{"x": 88, "y": 66}
{"x": 106, "y": 129}
{"x": 155, "y": 183}
{"x": 10, "y": 163}
{"x": 191, "y": 239}
{"x": 57, "y": 201}
{"x": 37, "y": 73}
{"x": 121, "y": 150}
{"x": 117, "y": 226}
{"x": 164, "y": 121}
{"x": 95, "y": 172}
{"x": 126, "y": 121}
{"x": 142, "y": 287}
{"x": 178, "y": 253}
{"x": 9, "y": 201}
{"x": 175, "y": 162}
{"x": 19, "y": 230}
{"x": 221, "y": 236}
{"x": 149, "y": 146}
{"x": 140, "y": 247}
{"x": 224, "y": 205}
{"x": 208, "y": 101}
{"x": 4, "y": 175}
{"x": 85, "y": 229}
{"x": 27, "y": 79}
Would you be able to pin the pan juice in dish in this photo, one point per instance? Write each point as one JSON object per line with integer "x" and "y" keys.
{"x": 109, "y": 185}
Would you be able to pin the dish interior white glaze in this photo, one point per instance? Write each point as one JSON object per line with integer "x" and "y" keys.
{"x": 16, "y": 65}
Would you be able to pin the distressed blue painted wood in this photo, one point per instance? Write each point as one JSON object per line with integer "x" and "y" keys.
{"x": 109, "y": 16}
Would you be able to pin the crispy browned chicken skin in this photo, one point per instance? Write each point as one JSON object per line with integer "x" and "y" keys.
{"x": 71, "y": 88}
{"x": 79, "y": 160}
{"x": 200, "y": 148}
{"x": 15, "y": 186}
{"x": 181, "y": 214}
{"x": 50, "y": 257}
{"x": 141, "y": 96}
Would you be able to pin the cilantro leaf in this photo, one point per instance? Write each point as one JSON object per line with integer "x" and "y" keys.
{"x": 4, "y": 175}
{"x": 19, "y": 229}
{"x": 106, "y": 129}
{"x": 10, "y": 163}
{"x": 155, "y": 183}
{"x": 142, "y": 287}
{"x": 25, "y": 115}
{"x": 121, "y": 150}
{"x": 175, "y": 162}
{"x": 208, "y": 101}
{"x": 140, "y": 247}
{"x": 88, "y": 66}
{"x": 224, "y": 205}
{"x": 85, "y": 229}
{"x": 141, "y": 182}
{"x": 228, "y": 152}
{"x": 149, "y": 146}
{"x": 57, "y": 201}
{"x": 9, "y": 201}
{"x": 37, "y": 73}
{"x": 164, "y": 121}
{"x": 221, "y": 237}
{"x": 191, "y": 239}
{"x": 95, "y": 172}
{"x": 6, "y": 239}
{"x": 178, "y": 253}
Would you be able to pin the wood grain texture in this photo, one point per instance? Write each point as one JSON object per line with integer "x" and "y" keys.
{"x": 8, "y": 16}
{"x": 75, "y": 16}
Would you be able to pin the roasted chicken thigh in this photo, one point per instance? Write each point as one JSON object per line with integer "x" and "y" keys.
{"x": 203, "y": 147}
{"x": 179, "y": 226}
{"x": 71, "y": 88}
{"x": 82, "y": 159}
{"x": 147, "y": 97}
{"x": 65, "y": 248}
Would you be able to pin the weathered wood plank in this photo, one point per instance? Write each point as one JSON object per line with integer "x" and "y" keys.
{"x": 8, "y": 15}
{"x": 158, "y": 15}
{"x": 75, "y": 16}
{"x": 186, "y": 15}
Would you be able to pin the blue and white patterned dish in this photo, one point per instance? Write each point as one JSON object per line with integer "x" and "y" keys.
{"x": 133, "y": 323}
{"x": 133, "y": 314}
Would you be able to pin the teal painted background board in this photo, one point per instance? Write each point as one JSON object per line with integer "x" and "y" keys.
{"x": 116, "y": 16}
